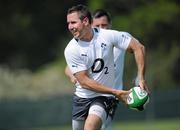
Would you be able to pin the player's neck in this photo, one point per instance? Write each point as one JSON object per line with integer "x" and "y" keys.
{"x": 88, "y": 35}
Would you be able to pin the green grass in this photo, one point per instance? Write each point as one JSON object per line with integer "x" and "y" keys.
{"x": 173, "y": 124}
{"x": 149, "y": 125}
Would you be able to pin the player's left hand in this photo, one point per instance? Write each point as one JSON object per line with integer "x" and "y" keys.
{"x": 143, "y": 85}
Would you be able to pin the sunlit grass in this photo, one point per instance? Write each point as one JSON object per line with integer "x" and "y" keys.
{"x": 149, "y": 125}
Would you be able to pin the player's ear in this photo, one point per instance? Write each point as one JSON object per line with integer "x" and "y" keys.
{"x": 86, "y": 21}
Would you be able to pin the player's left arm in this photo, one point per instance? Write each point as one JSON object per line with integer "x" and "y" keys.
{"x": 138, "y": 50}
{"x": 69, "y": 74}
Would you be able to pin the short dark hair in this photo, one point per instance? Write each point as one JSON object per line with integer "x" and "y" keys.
{"x": 100, "y": 13}
{"x": 83, "y": 10}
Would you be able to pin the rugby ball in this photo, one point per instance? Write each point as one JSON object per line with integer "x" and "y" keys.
{"x": 137, "y": 98}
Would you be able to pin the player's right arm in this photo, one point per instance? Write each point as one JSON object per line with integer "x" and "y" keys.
{"x": 79, "y": 68}
{"x": 88, "y": 83}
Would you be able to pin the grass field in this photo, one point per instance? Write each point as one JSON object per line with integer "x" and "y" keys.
{"x": 173, "y": 124}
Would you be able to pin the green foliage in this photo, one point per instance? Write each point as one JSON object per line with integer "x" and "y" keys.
{"x": 153, "y": 23}
{"x": 33, "y": 86}
{"x": 143, "y": 19}
{"x": 160, "y": 73}
{"x": 30, "y": 32}
{"x": 94, "y": 4}
{"x": 33, "y": 36}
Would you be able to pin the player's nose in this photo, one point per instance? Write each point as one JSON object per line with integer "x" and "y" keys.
{"x": 70, "y": 27}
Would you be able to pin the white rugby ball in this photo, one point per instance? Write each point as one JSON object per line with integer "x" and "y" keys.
{"x": 137, "y": 99}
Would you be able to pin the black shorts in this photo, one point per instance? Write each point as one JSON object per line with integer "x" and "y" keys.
{"x": 81, "y": 106}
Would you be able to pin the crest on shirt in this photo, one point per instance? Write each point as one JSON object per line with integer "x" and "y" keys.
{"x": 103, "y": 45}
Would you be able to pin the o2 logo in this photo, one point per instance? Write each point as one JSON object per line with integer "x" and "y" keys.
{"x": 99, "y": 62}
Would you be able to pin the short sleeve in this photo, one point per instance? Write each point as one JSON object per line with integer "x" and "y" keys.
{"x": 121, "y": 39}
{"x": 73, "y": 59}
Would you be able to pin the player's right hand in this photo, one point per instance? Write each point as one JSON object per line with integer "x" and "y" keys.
{"x": 122, "y": 95}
